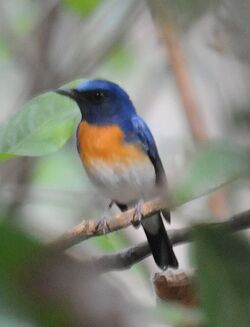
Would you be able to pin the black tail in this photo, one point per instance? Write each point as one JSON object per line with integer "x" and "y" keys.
{"x": 159, "y": 242}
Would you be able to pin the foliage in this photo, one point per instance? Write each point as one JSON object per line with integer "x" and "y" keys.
{"x": 41, "y": 127}
{"x": 213, "y": 165}
{"x": 223, "y": 273}
{"x": 17, "y": 251}
{"x": 80, "y": 7}
{"x": 45, "y": 123}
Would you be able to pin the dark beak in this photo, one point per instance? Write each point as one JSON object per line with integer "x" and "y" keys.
{"x": 70, "y": 93}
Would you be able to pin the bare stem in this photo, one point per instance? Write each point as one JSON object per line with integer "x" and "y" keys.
{"x": 125, "y": 259}
{"x": 91, "y": 228}
{"x": 128, "y": 257}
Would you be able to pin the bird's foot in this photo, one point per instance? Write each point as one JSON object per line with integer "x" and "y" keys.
{"x": 103, "y": 225}
{"x": 136, "y": 222}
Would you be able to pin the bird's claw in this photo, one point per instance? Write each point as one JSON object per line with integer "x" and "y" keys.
{"x": 138, "y": 214}
{"x": 103, "y": 225}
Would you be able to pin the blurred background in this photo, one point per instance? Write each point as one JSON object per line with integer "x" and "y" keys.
{"x": 186, "y": 67}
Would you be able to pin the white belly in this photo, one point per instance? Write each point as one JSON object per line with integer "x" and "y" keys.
{"x": 125, "y": 184}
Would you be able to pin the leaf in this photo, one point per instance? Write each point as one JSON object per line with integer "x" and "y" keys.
{"x": 41, "y": 127}
{"x": 18, "y": 300}
{"x": 16, "y": 249}
{"x": 223, "y": 276}
{"x": 81, "y": 7}
{"x": 212, "y": 166}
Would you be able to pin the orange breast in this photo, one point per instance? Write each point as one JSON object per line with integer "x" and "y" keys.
{"x": 106, "y": 144}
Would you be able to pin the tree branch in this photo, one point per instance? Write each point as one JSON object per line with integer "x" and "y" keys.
{"x": 91, "y": 228}
{"x": 128, "y": 257}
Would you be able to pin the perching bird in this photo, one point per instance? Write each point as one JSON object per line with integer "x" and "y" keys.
{"x": 120, "y": 156}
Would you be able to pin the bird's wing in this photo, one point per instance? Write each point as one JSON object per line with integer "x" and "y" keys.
{"x": 146, "y": 141}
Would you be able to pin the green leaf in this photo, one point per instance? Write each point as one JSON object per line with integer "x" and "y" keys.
{"x": 41, "y": 127}
{"x": 81, "y": 7}
{"x": 16, "y": 249}
{"x": 6, "y": 156}
{"x": 18, "y": 300}
{"x": 212, "y": 166}
{"x": 223, "y": 276}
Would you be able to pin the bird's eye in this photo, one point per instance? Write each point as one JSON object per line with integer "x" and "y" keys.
{"x": 98, "y": 95}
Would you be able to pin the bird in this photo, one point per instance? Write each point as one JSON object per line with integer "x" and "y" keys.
{"x": 120, "y": 156}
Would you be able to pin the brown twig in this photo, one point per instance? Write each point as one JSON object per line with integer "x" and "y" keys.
{"x": 90, "y": 228}
{"x": 180, "y": 70}
{"x": 128, "y": 257}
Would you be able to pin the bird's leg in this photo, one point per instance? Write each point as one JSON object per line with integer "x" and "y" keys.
{"x": 103, "y": 222}
{"x": 138, "y": 214}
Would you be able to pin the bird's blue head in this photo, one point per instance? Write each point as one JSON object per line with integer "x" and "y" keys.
{"x": 101, "y": 102}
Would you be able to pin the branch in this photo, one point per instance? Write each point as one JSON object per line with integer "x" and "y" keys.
{"x": 127, "y": 258}
{"x": 91, "y": 228}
